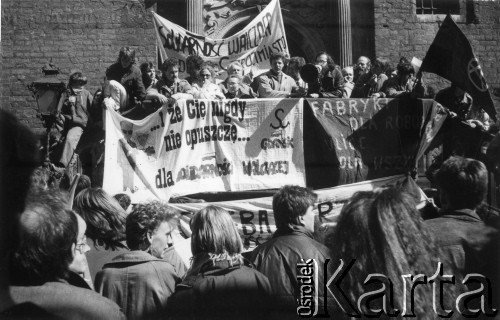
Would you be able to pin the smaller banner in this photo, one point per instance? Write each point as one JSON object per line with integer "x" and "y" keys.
{"x": 205, "y": 146}
{"x": 252, "y": 46}
{"x": 373, "y": 138}
{"x": 255, "y": 218}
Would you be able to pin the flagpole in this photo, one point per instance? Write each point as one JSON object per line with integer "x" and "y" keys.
{"x": 283, "y": 28}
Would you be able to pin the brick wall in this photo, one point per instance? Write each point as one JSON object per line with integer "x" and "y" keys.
{"x": 76, "y": 35}
{"x": 399, "y": 32}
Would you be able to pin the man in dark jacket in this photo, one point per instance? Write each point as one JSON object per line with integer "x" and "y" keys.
{"x": 293, "y": 241}
{"x": 460, "y": 233}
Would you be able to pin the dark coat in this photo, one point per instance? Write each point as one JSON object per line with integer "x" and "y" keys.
{"x": 220, "y": 290}
{"x": 131, "y": 80}
{"x": 470, "y": 245}
{"x": 278, "y": 258}
{"x": 332, "y": 84}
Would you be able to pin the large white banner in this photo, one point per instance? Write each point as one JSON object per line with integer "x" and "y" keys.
{"x": 252, "y": 46}
{"x": 205, "y": 145}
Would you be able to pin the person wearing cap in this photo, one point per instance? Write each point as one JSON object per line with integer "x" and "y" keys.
{"x": 73, "y": 113}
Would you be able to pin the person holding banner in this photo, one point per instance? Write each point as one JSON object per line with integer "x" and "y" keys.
{"x": 170, "y": 85}
{"x": 236, "y": 89}
{"x": 275, "y": 83}
{"x": 125, "y": 72}
{"x": 204, "y": 88}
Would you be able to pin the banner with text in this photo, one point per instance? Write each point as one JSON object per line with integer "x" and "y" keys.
{"x": 255, "y": 219}
{"x": 251, "y": 46}
{"x": 373, "y": 138}
{"x": 205, "y": 145}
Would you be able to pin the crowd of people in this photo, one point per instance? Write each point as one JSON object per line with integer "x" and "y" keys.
{"x": 137, "y": 91}
{"x": 90, "y": 255}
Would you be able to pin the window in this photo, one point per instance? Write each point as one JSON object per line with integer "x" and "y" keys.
{"x": 438, "y": 7}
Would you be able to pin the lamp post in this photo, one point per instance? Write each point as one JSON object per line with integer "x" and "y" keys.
{"x": 47, "y": 91}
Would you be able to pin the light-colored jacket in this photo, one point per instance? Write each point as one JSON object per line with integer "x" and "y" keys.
{"x": 138, "y": 282}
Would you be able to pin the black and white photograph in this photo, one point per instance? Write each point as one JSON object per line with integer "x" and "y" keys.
{"x": 250, "y": 159}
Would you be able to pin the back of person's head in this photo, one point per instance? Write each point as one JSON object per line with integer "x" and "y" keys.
{"x": 103, "y": 214}
{"x": 127, "y": 52}
{"x": 47, "y": 230}
{"x": 384, "y": 232}
{"x": 77, "y": 79}
{"x": 146, "y": 218}
{"x": 214, "y": 232}
{"x": 124, "y": 200}
{"x": 290, "y": 203}
{"x": 463, "y": 183}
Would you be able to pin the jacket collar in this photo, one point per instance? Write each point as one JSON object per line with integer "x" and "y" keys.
{"x": 462, "y": 214}
{"x": 131, "y": 257}
{"x": 294, "y": 230}
{"x": 204, "y": 265}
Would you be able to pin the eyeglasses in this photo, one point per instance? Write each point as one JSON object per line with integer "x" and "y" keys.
{"x": 82, "y": 246}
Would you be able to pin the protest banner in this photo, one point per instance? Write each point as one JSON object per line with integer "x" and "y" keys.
{"x": 370, "y": 138}
{"x": 255, "y": 219}
{"x": 451, "y": 56}
{"x": 251, "y": 46}
{"x": 205, "y": 145}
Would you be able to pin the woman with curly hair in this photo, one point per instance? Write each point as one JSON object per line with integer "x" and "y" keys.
{"x": 382, "y": 233}
{"x": 105, "y": 220}
{"x": 142, "y": 280}
{"x": 218, "y": 285}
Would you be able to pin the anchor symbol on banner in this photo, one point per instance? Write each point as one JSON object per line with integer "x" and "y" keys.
{"x": 280, "y": 125}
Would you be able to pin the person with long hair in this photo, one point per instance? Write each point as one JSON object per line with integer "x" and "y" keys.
{"x": 218, "y": 285}
{"x": 385, "y": 234}
{"x": 105, "y": 220}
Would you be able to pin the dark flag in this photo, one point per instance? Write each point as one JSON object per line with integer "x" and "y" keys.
{"x": 450, "y": 56}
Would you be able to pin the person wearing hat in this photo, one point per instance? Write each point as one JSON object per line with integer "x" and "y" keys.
{"x": 73, "y": 113}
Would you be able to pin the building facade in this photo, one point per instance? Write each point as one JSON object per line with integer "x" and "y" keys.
{"x": 87, "y": 35}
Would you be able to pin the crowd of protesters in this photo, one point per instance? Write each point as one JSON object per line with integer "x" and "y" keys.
{"x": 136, "y": 92}
{"x": 77, "y": 252}
{"x": 90, "y": 255}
